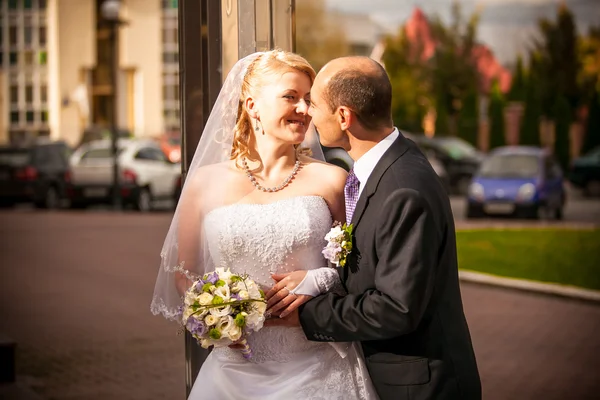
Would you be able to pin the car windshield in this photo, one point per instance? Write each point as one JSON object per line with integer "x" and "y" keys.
{"x": 457, "y": 148}
{"x": 510, "y": 166}
{"x": 14, "y": 158}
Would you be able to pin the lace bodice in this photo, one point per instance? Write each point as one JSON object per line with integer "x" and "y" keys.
{"x": 261, "y": 239}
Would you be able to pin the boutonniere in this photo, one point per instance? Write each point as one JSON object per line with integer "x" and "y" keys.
{"x": 339, "y": 244}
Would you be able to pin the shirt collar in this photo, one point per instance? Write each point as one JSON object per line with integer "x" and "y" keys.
{"x": 364, "y": 166}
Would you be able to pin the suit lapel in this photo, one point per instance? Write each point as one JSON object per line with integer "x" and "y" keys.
{"x": 399, "y": 147}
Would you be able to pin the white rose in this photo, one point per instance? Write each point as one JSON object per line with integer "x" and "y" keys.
{"x": 211, "y": 320}
{"x": 205, "y": 299}
{"x": 234, "y": 333}
{"x": 334, "y": 233}
{"x": 244, "y": 295}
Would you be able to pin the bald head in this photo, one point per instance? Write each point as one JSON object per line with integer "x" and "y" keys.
{"x": 361, "y": 84}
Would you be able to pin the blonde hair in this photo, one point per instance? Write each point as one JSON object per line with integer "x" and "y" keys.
{"x": 257, "y": 76}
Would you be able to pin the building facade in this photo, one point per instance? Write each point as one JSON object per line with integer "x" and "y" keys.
{"x": 56, "y": 62}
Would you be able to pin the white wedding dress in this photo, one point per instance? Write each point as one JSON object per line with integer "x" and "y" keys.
{"x": 260, "y": 239}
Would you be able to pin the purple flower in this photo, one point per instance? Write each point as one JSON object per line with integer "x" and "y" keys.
{"x": 195, "y": 326}
{"x": 212, "y": 278}
{"x": 236, "y": 296}
{"x": 199, "y": 285}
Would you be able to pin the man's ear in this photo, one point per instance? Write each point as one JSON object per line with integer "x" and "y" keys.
{"x": 251, "y": 107}
{"x": 345, "y": 117}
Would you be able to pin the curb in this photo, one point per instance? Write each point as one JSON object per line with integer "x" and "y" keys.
{"x": 532, "y": 286}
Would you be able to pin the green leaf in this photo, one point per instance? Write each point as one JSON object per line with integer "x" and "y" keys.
{"x": 206, "y": 287}
{"x": 220, "y": 283}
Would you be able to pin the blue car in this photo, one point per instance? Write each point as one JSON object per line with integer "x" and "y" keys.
{"x": 517, "y": 181}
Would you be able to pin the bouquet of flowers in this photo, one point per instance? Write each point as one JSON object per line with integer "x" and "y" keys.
{"x": 223, "y": 308}
{"x": 339, "y": 244}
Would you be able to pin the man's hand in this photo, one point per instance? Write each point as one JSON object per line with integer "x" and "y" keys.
{"x": 291, "y": 320}
{"x": 280, "y": 300}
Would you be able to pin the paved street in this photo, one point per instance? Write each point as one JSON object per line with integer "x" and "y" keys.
{"x": 75, "y": 292}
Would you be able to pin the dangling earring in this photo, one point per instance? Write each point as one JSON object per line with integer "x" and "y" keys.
{"x": 257, "y": 128}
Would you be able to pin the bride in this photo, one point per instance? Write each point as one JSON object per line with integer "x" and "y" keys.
{"x": 256, "y": 203}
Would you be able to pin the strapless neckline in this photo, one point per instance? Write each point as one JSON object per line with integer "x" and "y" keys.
{"x": 272, "y": 203}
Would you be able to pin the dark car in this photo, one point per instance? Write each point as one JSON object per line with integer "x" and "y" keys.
{"x": 585, "y": 172}
{"x": 458, "y": 158}
{"x": 522, "y": 181}
{"x": 37, "y": 173}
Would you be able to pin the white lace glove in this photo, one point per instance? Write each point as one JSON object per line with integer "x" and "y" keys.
{"x": 319, "y": 281}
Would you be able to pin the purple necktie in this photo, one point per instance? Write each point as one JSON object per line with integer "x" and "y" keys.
{"x": 351, "y": 195}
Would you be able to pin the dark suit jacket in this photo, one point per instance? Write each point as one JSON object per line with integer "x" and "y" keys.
{"x": 403, "y": 302}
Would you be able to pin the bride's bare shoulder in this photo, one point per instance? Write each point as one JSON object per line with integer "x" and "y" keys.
{"x": 323, "y": 170}
{"x": 207, "y": 174}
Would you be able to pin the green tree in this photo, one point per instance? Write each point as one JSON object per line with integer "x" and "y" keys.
{"x": 518, "y": 87}
{"x": 468, "y": 117}
{"x": 530, "y": 124}
{"x": 408, "y": 76}
{"x": 562, "y": 122}
{"x": 318, "y": 40}
{"x": 558, "y": 64}
{"x": 496, "y": 115}
{"x": 453, "y": 72}
{"x": 592, "y": 131}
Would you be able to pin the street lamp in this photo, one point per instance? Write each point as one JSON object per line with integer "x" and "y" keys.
{"x": 110, "y": 14}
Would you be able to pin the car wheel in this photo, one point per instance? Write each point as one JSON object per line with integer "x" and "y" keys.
{"x": 559, "y": 213}
{"x": 51, "y": 199}
{"x": 462, "y": 185}
{"x": 144, "y": 200}
{"x": 473, "y": 213}
{"x": 592, "y": 188}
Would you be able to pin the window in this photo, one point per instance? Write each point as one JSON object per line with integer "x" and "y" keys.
{"x": 44, "y": 116}
{"x": 13, "y": 58}
{"x": 44, "y": 93}
{"x": 30, "y": 117}
{"x": 150, "y": 154}
{"x": 14, "y": 94}
{"x": 13, "y": 36}
{"x": 29, "y": 94}
{"x": 14, "y": 117}
{"x": 97, "y": 154}
{"x": 42, "y": 36}
{"x": 28, "y": 57}
{"x": 27, "y": 4}
{"x": 28, "y": 35}
{"x": 42, "y": 4}
{"x": 12, "y": 4}
{"x": 43, "y": 57}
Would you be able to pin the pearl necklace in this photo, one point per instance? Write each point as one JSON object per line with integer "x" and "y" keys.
{"x": 273, "y": 189}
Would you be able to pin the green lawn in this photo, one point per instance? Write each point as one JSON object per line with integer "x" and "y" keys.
{"x": 569, "y": 257}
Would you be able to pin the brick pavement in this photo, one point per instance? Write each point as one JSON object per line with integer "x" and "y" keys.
{"x": 75, "y": 291}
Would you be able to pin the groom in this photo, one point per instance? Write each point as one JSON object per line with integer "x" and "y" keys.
{"x": 403, "y": 302}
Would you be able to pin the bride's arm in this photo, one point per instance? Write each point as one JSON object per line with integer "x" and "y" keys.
{"x": 303, "y": 285}
{"x": 188, "y": 236}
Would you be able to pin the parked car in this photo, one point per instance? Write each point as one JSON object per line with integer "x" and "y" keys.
{"x": 520, "y": 181}
{"x": 37, "y": 173}
{"x": 458, "y": 158}
{"x": 585, "y": 172}
{"x": 170, "y": 144}
{"x": 95, "y": 133}
{"x": 145, "y": 174}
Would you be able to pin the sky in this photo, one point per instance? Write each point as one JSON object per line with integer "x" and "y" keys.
{"x": 508, "y": 27}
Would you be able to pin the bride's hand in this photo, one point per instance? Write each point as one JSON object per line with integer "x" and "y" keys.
{"x": 280, "y": 300}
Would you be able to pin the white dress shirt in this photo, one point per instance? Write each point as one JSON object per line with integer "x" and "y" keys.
{"x": 364, "y": 166}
